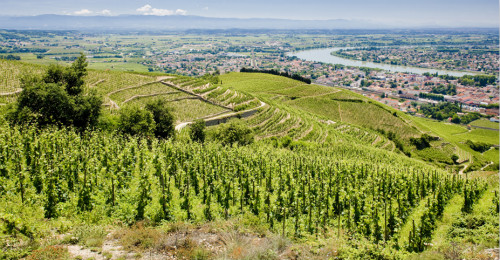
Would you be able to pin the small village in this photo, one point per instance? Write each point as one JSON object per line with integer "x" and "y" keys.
{"x": 398, "y": 90}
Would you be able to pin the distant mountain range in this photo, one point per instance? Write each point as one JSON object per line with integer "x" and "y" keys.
{"x": 173, "y": 22}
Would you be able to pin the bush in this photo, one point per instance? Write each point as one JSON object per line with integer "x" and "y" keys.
{"x": 197, "y": 131}
{"x": 139, "y": 237}
{"x": 89, "y": 235}
{"x": 57, "y": 98}
{"x": 234, "y": 132}
{"x": 136, "y": 121}
{"x": 163, "y": 118}
{"x": 478, "y": 146}
{"x": 423, "y": 142}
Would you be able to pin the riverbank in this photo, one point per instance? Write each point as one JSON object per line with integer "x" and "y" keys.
{"x": 325, "y": 56}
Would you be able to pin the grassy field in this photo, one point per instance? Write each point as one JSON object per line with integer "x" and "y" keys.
{"x": 485, "y": 123}
{"x": 258, "y": 83}
{"x": 458, "y": 135}
{"x": 118, "y": 66}
{"x": 148, "y": 89}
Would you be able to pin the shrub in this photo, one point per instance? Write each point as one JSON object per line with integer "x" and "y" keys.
{"x": 422, "y": 142}
{"x": 89, "y": 235}
{"x": 57, "y": 98}
{"x": 478, "y": 146}
{"x": 234, "y": 132}
{"x": 49, "y": 253}
{"x": 163, "y": 118}
{"x": 139, "y": 237}
{"x": 136, "y": 121}
{"x": 197, "y": 131}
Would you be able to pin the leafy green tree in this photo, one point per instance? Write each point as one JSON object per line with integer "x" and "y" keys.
{"x": 197, "y": 131}
{"x": 234, "y": 132}
{"x": 136, "y": 121}
{"x": 58, "y": 98}
{"x": 454, "y": 158}
{"x": 163, "y": 118}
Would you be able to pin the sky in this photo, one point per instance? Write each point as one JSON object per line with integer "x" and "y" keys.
{"x": 454, "y": 13}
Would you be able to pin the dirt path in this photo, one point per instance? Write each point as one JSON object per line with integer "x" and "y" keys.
{"x": 194, "y": 94}
{"x": 96, "y": 83}
{"x": 148, "y": 95}
{"x": 463, "y": 169}
{"x": 377, "y": 140}
{"x": 130, "y": 87}
{"x": 180, "y": 126}
{"x": 304, "y": 134}
{"x": 113, "y": 105}
{"x": 484, "y": 167}
{"x": 11, "y": 93}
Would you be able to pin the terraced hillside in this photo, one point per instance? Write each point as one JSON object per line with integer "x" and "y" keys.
{"x": 310, "y": 113}
{"x": 272, "y": 106}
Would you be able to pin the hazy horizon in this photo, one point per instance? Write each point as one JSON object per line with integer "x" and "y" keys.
{"x": 440, "y": 13}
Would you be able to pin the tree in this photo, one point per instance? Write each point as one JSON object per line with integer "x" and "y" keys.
{"x": 136, "y": 121}
{"x": 234, "y": 132}
{"x": 454, "y": 158}
{"x": 57, "y": 98}
{"x": 197, "y": 131}
{"x": 455, "y": 119}
{"x": 163, "y": 118}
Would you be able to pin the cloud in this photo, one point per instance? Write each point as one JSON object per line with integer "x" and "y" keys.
{"x": 105, "y": 12}
{"x": 83, "y": 12}
{"x": 144, "y": 9}
{"x": 180, "y": 12}
{"x": 149, "y": 10}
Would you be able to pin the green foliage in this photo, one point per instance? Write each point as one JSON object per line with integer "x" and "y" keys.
{"x": 57, "y": 98}
{"x": 440, "y": 111}
{"x": 234, "y": 132}
{"x": 136, "y": 121}
{"x": 477, "y": 80}
{"x": 423, "y": 142}
{"x": 431, "y": 96}
{"x": 450, "y": 89}
{"x": 89, "y": 235}
{"x": 213, "y": 79}
{"x": 72, "y": 78}
{"x": 478, "y": 146}
{"x": 469, "y": 117}
{"x": 164, "y": 121}
{"x": 454, "y": 158}
{"x": 397, "y": 141}
{"x": 197, "y": 131}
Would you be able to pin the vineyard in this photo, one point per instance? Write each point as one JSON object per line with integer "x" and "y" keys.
{"x": 348, "y": 188}
{"x": 355, "y": 190}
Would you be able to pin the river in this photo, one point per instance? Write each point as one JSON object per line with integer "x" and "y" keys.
{"x": 324, "y": 55}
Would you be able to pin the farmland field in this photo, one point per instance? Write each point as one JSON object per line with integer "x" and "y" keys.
{"x": 485, "y": 123}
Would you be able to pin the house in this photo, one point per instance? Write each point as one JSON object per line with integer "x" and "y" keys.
{"x": 492, "y": 112}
